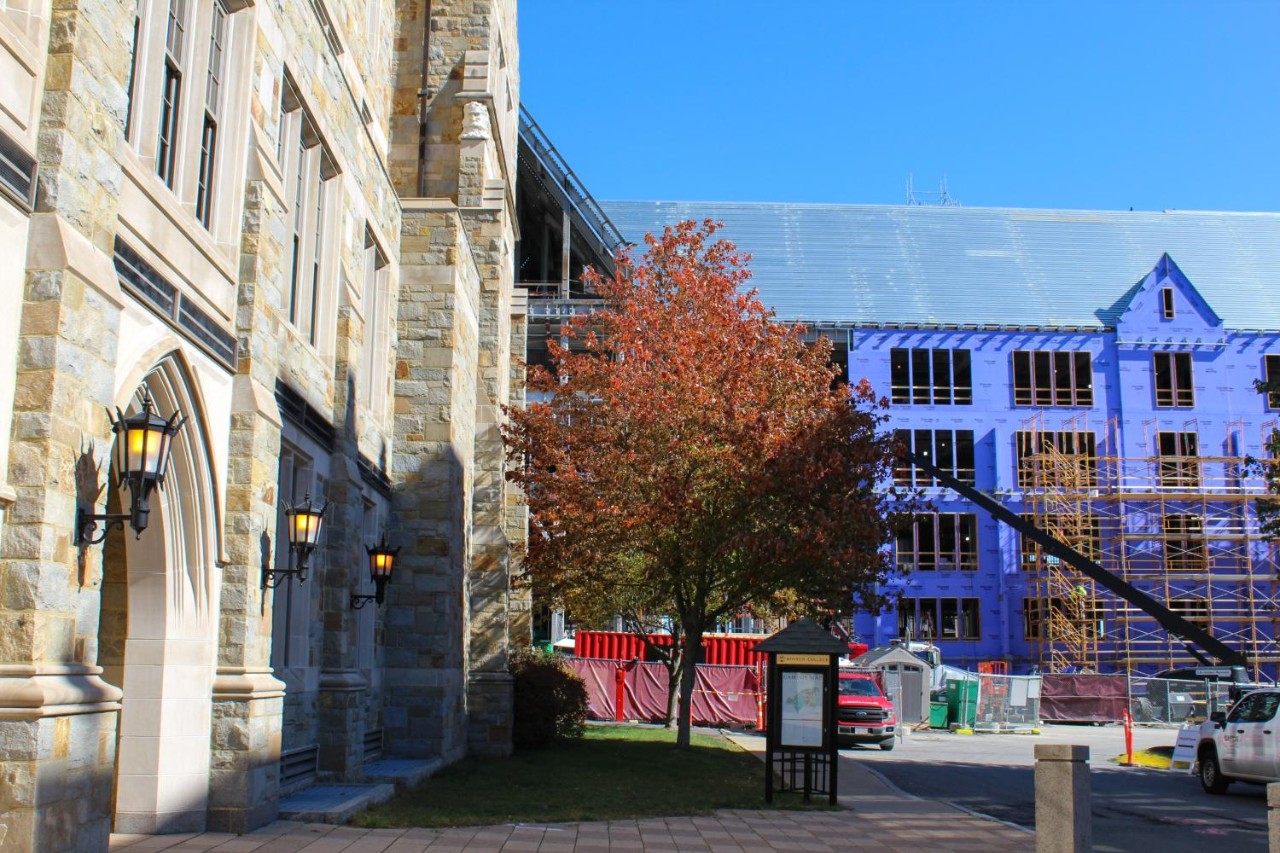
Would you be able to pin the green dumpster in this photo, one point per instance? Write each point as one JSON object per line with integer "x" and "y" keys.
{"x": 962, "y": 701}
{"x": 938, "y": 715}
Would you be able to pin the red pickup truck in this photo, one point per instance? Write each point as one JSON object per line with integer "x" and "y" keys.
{"x": 866, "y": 714}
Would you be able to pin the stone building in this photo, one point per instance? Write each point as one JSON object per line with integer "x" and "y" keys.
{"x": 293, "y": 224}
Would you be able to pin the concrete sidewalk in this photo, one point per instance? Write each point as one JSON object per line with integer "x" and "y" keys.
{"x": 876, "y": 816}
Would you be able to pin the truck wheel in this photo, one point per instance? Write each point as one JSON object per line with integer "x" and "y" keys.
{"x": 886, "y": 745}
{"x": 1211, "y": 778}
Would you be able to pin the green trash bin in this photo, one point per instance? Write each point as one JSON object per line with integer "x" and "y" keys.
{"x": 938, "y": 715}
{"x": 962, "y": 701}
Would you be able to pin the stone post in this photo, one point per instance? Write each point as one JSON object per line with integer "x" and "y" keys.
{"x": 248, "y": 701}
{"x": 58, "y": 719}
{"x": 1064, "y": 817}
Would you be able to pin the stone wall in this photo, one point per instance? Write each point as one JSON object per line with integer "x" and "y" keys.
{"x": 437, "y": 682}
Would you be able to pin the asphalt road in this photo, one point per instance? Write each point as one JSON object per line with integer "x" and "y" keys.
{"x": 1134, "y": 809}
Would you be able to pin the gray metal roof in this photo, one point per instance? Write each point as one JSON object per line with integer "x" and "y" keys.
{"x": 860, "y": 264}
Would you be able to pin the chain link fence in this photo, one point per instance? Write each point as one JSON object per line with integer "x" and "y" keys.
{"x": 1006, "y": 703}
{"x": 1173, "y": 701}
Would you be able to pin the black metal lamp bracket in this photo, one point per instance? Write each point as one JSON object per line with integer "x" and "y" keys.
{"x": 87, "y": 523}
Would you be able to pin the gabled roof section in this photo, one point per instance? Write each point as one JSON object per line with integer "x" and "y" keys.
{"x": 871, "y": 264}
{"x": 1143, "y": 305}
{"x": 567, "y": 188}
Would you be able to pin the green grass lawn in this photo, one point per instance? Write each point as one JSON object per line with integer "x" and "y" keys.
{"x": 613, "y": 773}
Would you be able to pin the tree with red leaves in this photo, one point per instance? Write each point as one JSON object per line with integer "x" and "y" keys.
{"x": 695, "y": 457}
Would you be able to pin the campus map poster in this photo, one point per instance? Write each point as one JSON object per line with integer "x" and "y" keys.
{"x": 801, "y": 708}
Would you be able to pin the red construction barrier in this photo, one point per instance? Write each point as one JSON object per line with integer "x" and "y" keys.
{"x": 718, "y": 649}
{"x": 722, "y": 695}
{"x": 1083, "y": 698}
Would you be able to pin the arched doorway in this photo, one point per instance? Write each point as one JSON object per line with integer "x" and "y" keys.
{"x": 158, "y": 626}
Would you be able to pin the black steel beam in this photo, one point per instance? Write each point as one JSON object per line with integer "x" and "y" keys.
{"x": 1170, "y": 621}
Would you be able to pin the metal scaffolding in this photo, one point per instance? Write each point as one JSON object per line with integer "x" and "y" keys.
{"x": 1180, "y": 526}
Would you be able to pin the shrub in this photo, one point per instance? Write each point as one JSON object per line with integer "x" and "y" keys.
{"x": 550, "y": 699}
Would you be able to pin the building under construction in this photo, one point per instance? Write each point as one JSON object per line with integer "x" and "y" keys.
{"x": 1063, "y": 363}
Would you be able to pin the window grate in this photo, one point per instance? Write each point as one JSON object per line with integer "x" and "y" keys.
{"x": 298, "y": 768}
{"x": 307, "y": 418}
{"x": 153, "y": 288}
{"x": 17, "y": 172}
{"x": 220, "y": 343}
{"x": 372, "y": 745}
{"x": 146, "y": 280}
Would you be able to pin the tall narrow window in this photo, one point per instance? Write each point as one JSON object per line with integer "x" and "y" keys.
{"x": 1271, "y": 376}
{"x": 1166, "y": 303}
{"x": 376, "y": 337}
{"x": 133, "y": 69}
{"x": 308, "y": 167}
{"x": 212, "y": 102}
{"x": 930, "y": 376}
{"x": 1044, "y": 378}
{"x": 1174, "y": 386}
{"x": 949, "y": 450}
{"x": 1179, "y": 468}
{"x": 171, "y": 92}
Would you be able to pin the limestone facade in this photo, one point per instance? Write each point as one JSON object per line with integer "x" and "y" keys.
{"x": 293, "y": 223}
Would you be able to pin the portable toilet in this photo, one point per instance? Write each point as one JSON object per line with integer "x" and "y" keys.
{"x": 907, "y": 679}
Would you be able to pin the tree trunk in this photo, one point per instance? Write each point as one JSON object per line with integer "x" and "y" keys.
{"x": 674, "y": 669}
{"x": 689, "y": 672}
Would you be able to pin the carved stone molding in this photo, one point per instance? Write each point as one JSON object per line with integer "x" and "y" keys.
{"x": 245, "y": 684}
{"x": 31, "y": 691}
{"x": 343, "y": 681}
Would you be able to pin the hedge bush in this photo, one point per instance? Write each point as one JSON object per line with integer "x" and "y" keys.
{"x": 550, "y": 699}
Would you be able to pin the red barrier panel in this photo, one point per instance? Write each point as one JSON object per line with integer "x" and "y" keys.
{"x": 718, "y": 649}
{"x": 722, "y": 695}
{"x": 1083, "y": 698}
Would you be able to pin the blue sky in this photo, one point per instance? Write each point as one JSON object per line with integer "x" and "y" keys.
{"x": 1105, "y": 105}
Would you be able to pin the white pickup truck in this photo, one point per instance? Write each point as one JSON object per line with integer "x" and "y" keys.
{"x": 1242, "y": 744}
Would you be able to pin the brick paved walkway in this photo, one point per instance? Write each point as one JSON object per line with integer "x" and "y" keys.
{"x": 746, "y": 831}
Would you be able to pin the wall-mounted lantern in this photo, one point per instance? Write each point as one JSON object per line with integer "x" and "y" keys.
{"x": 143, "y": 441}
{"x": 303, "y": 521}
{"x": 382, "y": 559}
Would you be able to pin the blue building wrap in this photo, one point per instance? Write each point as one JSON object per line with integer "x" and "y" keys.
{"x": 1118, "y": 415}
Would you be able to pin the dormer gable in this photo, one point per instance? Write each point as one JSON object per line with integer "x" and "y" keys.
{"x": 1166, "y": 306}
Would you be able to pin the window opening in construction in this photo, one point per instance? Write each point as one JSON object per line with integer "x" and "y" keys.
{"x": 1076, "y": 457}
{"x": 1179, "y": 468}
{"x": 1271, "y": 376}
{"x": 942, "y": 541}
{"x": 939, "y": 618}
{"x": 939, "y": 377}
{"x": 1174, "y": 388}
{"x": 949, "y": 450}
{"x": 1043, "y": 378}
{"x": 1184, "y": 543}
{"x": 1083, "y": 532}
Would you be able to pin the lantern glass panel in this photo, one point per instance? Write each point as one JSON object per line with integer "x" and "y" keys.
{"x": 146, "y": 445}
{"x": 381, "y": 562}
{"x": 305, "y": 527}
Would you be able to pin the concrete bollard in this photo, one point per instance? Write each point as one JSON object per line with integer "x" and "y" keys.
{"x": 1064, "y": 817}
{"x": 1273, "y": 817}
